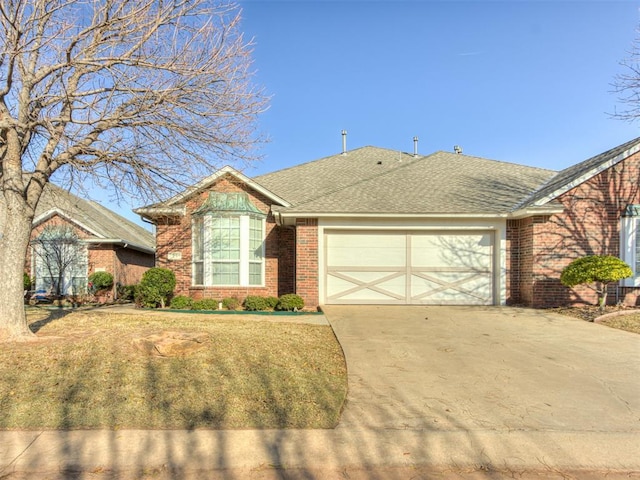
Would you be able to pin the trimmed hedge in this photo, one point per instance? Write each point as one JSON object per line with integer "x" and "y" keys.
{"x": 205, "y": 304}
{"x": 156, "y": 287}
{"x": 254, "y": 303}
{"x": 100, "y": 281}
{"x": 290, "y": 302}
{"x": 182, "y": 302}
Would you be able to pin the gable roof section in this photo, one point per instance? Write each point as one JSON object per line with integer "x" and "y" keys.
{"x": 174, "y": 205}
{"x": 575, "y": 175}
{"x": 105, "y": 225}
{"x": 311, "y": 180}
{"x": 378, "y": 181}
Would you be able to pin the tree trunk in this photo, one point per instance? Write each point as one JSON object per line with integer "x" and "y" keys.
{"x": 14, "y": 241}
{"x": 602, "y": 295}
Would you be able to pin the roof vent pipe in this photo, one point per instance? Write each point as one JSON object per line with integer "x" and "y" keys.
{"x": 457, "y": 149}
{"x": 415, "y": 146}
{"x": 344, "y": 142}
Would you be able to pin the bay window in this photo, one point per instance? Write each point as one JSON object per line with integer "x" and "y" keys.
{"x": 228, "y": 242}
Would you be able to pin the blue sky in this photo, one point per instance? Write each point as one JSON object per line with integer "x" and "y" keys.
{"x": 520, "y": 81}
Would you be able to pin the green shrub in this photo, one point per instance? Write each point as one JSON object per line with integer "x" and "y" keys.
{"x": 230, "y": 303}
{"x": 182, "y": 302}
{"x": 156, "y": 287}
{"x": 205, "y": 304}
{"x": 27, "y": 281}
{"x": 272, "y": 302}
{"x": 254, "y": 303}
{"x": 290, "y": 302}
{"x": 100, "y": 281}
{"x": 597, "y": 271}
{"x": 127, "y": 292}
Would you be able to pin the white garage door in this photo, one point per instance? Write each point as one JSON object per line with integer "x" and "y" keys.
{"x": 428, "y": 268}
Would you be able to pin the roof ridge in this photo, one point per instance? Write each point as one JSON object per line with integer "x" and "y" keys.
{"x": 318, "y": 160}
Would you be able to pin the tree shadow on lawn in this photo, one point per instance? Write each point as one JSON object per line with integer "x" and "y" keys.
{"x": 52, "y": 314}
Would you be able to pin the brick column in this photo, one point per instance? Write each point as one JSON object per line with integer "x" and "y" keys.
{"x": 307, "y": 260}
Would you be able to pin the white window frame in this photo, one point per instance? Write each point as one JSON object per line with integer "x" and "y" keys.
{"x": 245, "y": 258}
{"x": 629, "y": 238}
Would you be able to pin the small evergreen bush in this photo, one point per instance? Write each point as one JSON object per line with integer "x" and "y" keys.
{"x": 272, "y": 302}
{"x": 254, "y": 303}
{"x": 26, "y": 279}
{"x": 156, "y": 287}
{"x": 290, "y": 302}
{"x": 230, "y": 303}
{"x": 182, "y": 302}
{"x": 205, "y": 304}
{"x": 127, "y": 292}
{"x": 100, "y": 281}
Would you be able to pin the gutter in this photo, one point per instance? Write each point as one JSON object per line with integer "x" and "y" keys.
{"x": 122, "y": 243}
{"x": 533, "y": 211}
{"x": 151, "y": 212}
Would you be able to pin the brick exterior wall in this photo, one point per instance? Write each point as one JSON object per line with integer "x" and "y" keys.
{"x": 307, "y": 260}
{"x": 173, "y": 235}
{"x": 125, "y": 264}
{"x": 539, "y": 248}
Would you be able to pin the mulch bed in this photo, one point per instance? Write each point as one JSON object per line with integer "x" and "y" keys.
{"x": 590, "y": 312}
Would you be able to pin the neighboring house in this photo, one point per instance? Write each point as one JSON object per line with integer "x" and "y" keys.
{"x": 73, "y": 238}
{"x": 377, "y": 226}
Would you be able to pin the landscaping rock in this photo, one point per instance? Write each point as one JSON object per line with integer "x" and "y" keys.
{"x": 170, "y": 344}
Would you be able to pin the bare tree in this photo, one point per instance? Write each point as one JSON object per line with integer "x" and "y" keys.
{"x": 140, "y": 95}
{"x": 627, "y": 85}
{"x": 58, "y": 257}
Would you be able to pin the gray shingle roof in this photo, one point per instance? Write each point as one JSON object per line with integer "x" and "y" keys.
{"x": 103, "y": 222}
{"x": 375, "y": 180}
{"x": 569, "y": 177}
{"x": 321, "y": 177}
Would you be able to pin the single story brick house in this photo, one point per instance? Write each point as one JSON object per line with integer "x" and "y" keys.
{"x": 378, "y": 226}
{"x": 73, "y": 238}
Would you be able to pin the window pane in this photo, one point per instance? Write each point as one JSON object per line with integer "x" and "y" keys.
{"x": 255, "y": 239}
{"x": 255, "y": 273}
{"x": 225, "y": 235}
{"x": 198, "y": 239}
{"x": 198, "y": 273}
{"x": 78, "y": 285}
{"x": 225, "y": 273}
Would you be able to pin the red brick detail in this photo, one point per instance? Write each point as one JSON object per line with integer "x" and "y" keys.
{"x": 173, "y": 235}
{"x": 307, "y": 260}
{"x": 540, "y": 247}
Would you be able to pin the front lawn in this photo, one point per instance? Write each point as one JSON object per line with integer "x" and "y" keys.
{"x": 84, "y": 372}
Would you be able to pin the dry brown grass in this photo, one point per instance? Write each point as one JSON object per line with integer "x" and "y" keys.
{"x": 630, "y": 323}
{"x": 83, "y": 372}
{"x": 629, "y": 320}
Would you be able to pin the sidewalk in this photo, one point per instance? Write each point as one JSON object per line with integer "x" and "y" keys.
{"x": 234, "y": 454}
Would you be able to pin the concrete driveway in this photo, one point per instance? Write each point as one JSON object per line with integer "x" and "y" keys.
{"x": 517, "y": 382}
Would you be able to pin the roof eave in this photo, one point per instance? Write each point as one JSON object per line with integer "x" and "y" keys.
{"x": 535, "y": 211}
{"x": 122, "y": 242}
{"x": 157, "y": 212}
{"x": 588, "y": 175}
{"x": 302, "y": 214}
